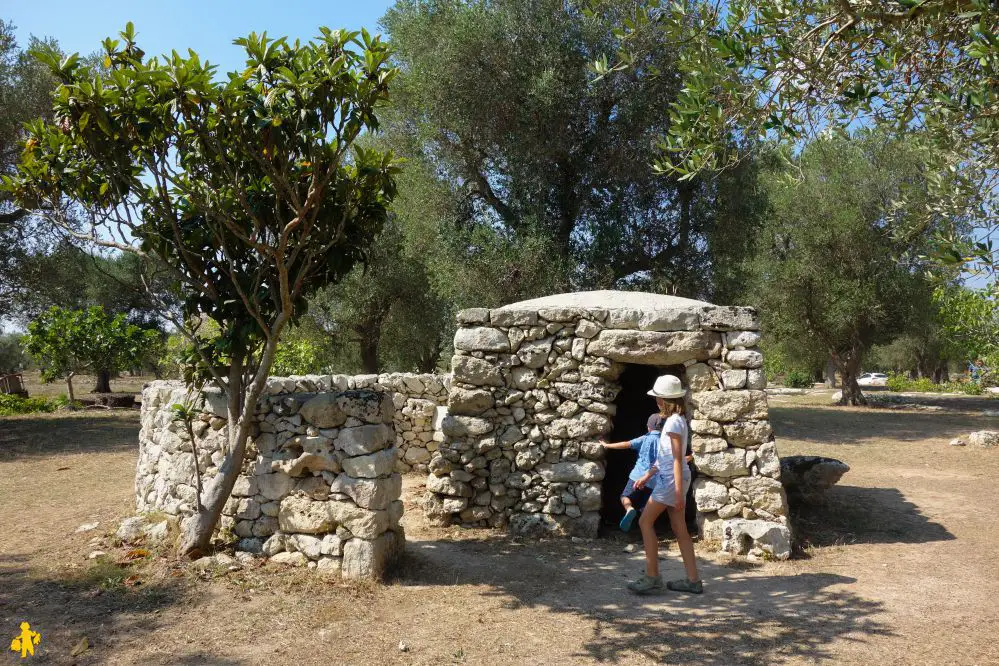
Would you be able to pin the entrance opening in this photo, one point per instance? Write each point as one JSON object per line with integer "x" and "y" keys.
{"x": 634, "y": 406}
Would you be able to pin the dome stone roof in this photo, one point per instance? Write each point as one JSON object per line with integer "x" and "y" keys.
{"x": 608, "y": 299}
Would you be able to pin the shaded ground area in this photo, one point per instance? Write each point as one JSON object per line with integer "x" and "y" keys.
{"x": 898, "y": 567}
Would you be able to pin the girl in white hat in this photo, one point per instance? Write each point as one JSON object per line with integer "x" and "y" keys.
{"x": 672, "y": 479}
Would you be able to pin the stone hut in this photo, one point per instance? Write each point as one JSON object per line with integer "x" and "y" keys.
{"x": 535, "y": 383}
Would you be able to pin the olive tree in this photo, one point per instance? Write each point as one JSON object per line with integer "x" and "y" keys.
{"x": 250, "y": 189}
{"x": 66, "y": 342}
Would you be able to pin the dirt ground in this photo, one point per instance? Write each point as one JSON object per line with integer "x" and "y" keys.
{"x": 898, "y": 567}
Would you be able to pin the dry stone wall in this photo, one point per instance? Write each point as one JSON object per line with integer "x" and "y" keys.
{"x": 318, "y": 486}
{"x": 534, "y": 386}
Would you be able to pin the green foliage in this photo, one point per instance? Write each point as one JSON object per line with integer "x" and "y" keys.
{"x": 794, "y": 69}
{"x": 299, "y": 357}
{"x": 12, "y": 355}
{"x": 11, "y": 405}
{"x": 798, "y": 379}
{"x": 969, "y": 319}
{"x": 536, "y": 173}
{"x": 900, "y": 383}
{"x": 830, "y": 277}
{"x": 245, "y": 189}
{"x": 72, "y": 341}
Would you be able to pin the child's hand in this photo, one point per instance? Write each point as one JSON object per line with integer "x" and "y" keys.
{"x": 640, "y": 484}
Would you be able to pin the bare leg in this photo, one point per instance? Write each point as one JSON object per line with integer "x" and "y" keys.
{"x": 647, "y": 522}
{"x": 625, "y": 502}
{"x": 679, "y": 525}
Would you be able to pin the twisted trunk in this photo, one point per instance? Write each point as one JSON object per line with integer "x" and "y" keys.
{"x": 103, "y": 384}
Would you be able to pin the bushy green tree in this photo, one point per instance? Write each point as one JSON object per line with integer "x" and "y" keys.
{"x": 65, "y": 343}
{"x": 796, "y": 68}
{"x": 832, "y": 276}
{"x": 497, "y": 102}
{"x": 12, "y": 355}
{"x": 249, "y": 189}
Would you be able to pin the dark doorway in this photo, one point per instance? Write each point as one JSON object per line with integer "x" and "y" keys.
{"x": 634, "y": 406}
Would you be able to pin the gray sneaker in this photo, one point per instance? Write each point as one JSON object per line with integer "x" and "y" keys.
{"x": 684, "y": 585}
{"x": 646, "y": 585}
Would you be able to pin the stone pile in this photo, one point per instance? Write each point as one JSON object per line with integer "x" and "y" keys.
{"x": 318, "y": 486}
{"x": 534, "y": 385}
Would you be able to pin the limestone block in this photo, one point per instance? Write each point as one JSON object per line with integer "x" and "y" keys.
{"x": 370, "y": 466}
{"x": 763, "y": 493}
{"x": 586, "y": 391}
{"x": 756, "y": 379}
{"x": 723, "y": 464}
{"x": 654, "y": 348}
{"x": 291, "y": 559}
{"x": 445, "y": 485}
{"x": 679, "y": 319}
{"x": 466, "y": 426}
{"x": 568, "y": 472}
{"x": 475, "y": 371}
{"x": 306, "y": 463}
{"x": 501, "y": 317}
{"x": 709, "y": 495}
{"x": 245, "y": 486}
{"x": 700, "y": 377}
{"x": 811, "y": 476}
{"x": 364, "y": 439}
{"x": 748, "y": 433}
{"x": 733, "y": 379}
{"x": 331, "y": 545}
{"x": 375, "y": 494}
{"x": 371, "y": 558}
{"x": 534, "y": 354}
{"x": 416, "y": 455}
{"x": 481, "y": 338}
{"x": 742, "y": 339}
{"x": 275, "y": 486}
{"x": 745, "y": 358}
{"x": 309, "y": 546}
{"x": 473, "y": 316}
{"x": 740, "y": 536}
{"x": 331, "y": 410}
{"x": 361, "y": 522}
{"x": 728, "y": 406}
{"x": 767, "y": 460}
{"x": 580, "y": 426}
{"x": 274, "y": 544}
{"x": 984, "y": 438}
{"x": 301, "y": 514}
{"x": 706, "y": 427}
{"x": 710, "y": 526}
{"x": 587, "y": 329}
{"x": 729, "y": 318}
{"x": 701, "y": 444}
{"x": 470, "y": 402}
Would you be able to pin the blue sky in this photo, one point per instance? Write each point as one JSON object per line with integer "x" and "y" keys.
{"x": 208, "y": 26}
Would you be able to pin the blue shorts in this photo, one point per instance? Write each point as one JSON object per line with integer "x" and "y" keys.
{"x": 638, "y": 496}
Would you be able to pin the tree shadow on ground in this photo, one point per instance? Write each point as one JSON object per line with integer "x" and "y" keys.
{"x": 66, "y": 609}
{"x": 72, "y": 432}
{"x": 849, "y": 514}
{"x": 855, "y": 426}
{"x": 744, "y": 617}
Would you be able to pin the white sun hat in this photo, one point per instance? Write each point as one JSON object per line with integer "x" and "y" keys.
{"x": 668, "y": 386}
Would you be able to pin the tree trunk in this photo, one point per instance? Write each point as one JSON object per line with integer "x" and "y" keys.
{"x": 369, "y": 353}
{"x": 849, "y": 368}
{"x": 197, "y": 530}
{"x": 830, "y": 378}
{"x": 69, "y": 385}
{"x": 103, "y": 384}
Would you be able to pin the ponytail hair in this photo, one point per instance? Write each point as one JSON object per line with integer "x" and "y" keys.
{"x": 671, "y": 406}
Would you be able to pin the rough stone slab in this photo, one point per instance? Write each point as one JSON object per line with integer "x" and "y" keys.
{"x": 475, "y": 371}
{"x": 763, "y": 493}
{"x": 986, "y": 439}
{"x": 445, "y": 485}
{"x": 361, "y": 440}
{"x": 709, "y": 494}
{"x": 303, "y": 515}
{"x": 655, "y": 348}
{"x": 568, "y": 472}
{"x": 701, "y": 444}
{"x": 723, "y": 464}
{"x": 465, "y": 426}
{"x": 371, "y": 466}
{"x": 473, "y": 316}
{"x": 371, "y": 558}
{"x": 729, "y": 406}
{"x": 705, "y": 427}
{"x": 748, "y": 433}
{"x": 504, "y": 317}
{"x": 682, "y": 319}
{"x": 580, "y": 426}
{"x": 375, "y": 494}
{"x": 471, "y": 402}
{"x": 534, "y": 354}
{"x": 740, "y": 536}
{"x": 742, "y": 339}
{"x": 729, "y": 318}
{"x": 700, "y": 377}
{"x": 331, "y": 410}
{"x": 811, "y": 476}
{"x": 481, "y": 338}
{"x": 745, "y": 358}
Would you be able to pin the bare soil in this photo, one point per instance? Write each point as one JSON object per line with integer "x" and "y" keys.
{"x": 897, "y": 567}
